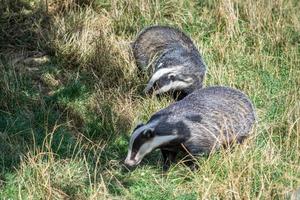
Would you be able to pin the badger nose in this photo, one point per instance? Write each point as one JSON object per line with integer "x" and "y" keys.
{"x": 129, "y": 163}
{"x": 148, "y": 91}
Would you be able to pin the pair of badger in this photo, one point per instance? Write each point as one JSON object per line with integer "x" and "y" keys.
{"x": 202, "y": 120}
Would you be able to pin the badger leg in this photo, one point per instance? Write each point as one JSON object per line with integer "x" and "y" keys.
{"x": 168, "y": 158}
{"x": 191, "y": 164}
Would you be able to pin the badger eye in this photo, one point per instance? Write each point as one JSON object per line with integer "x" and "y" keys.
{"x": 148, "y": 133}
{"x": 172, "y": 77}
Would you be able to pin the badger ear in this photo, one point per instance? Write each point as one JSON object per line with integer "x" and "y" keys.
{"x": 148, "y": 133}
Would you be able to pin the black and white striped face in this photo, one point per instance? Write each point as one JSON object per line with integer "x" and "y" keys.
{"x": 143, "y": 141}
{"x": 169, "y": 79}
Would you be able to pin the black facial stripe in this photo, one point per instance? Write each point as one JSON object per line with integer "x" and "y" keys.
{"x": 137, "y": 143}
{"x": 177, "y": 78}
{"x": 161, "y": 81}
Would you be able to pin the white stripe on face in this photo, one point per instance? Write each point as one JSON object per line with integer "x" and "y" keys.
{"x": 151, "y": 145}
{"x": 178, "y": 85}
{"x": 161, "y": 72}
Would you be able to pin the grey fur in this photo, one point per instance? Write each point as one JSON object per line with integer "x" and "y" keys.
{"x": 158, "y": 47}
{"x": 204, "y": 121}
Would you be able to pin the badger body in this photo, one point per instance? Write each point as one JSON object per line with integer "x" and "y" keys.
{"x": 171, "y": 59}
{"x": 202, "y": 122}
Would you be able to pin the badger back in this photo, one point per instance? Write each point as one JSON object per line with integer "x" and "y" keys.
{"x": 214, "y": 116}
{"x": 155, "y": 40}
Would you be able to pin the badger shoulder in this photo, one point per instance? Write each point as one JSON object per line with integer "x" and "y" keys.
{"x": 220, "y": 94}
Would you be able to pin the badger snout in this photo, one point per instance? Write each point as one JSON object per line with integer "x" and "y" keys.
{"x": 130, "y": 163}
{"x": 149, "y": 90}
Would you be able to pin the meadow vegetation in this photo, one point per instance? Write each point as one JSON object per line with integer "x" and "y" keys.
{"x": 71, "y": 95}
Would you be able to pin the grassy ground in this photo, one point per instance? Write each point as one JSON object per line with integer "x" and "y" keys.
{"x": 70, "y": 96}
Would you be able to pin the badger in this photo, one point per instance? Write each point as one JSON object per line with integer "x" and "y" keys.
{"x": 172, "y": 60}
{"x": 204, "y": 121}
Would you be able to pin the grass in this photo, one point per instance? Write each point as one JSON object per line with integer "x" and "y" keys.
{"x": 71, "y": 95}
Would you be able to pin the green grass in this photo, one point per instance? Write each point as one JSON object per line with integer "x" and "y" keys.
{"x": 71, "y": 95}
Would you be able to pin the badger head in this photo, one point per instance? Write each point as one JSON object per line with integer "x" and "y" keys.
{"x": 144, "y": 139}
{"x": 171, "y": 79}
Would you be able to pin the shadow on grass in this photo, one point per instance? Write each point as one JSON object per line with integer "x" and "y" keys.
{"x": 26, "y": 120}
{"x": 60, "y": 119}
{"x": 20, "y": 29}
{"x": 27, "y": 116}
